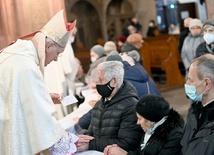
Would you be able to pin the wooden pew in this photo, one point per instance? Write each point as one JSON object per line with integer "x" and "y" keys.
{"x": 161, "y": 52}
{"x": 83, "y": 55}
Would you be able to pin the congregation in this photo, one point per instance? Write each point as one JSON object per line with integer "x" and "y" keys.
{"x": 120, "y": 109}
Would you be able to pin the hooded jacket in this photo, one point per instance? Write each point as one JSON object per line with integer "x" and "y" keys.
{"x": 115, "y": 121}
{"x": 139, "y": 77}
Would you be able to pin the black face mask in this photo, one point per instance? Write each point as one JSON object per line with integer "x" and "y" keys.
{"x": 105, "y": 90}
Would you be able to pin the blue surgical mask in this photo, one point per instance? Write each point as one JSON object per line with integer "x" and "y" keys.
{"x": 191, "y": 92}
{"x": 209, "y": 38}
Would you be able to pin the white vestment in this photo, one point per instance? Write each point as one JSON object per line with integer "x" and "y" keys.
{"x": 27, "y": 122}
{"x": 60, "y": 75}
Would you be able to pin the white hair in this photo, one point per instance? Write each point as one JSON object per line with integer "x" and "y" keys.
{"x": 111, "y": 69}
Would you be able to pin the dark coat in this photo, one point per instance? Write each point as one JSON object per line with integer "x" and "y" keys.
{"x": 138, "y": 77}
{"x": 202, "y": 49}
{"x": 182, "y": 37}
{"x": 198, "y": 138}
{"x": 115, "y": 121}
{"x": 166, "y": 138}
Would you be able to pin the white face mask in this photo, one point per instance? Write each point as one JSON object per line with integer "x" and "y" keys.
{"x": 119, "y": 43}
{"x": 151, "y": 24}
{"x": 93, "y": 59}
{"x": 209, "y": 38}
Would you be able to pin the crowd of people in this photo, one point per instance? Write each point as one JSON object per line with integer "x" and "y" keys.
{"x": 129, "y": 117}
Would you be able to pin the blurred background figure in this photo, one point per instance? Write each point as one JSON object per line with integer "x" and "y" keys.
{"x": 133, "y": 42}
{"x": 191, "y": 42}
{"x": 131, "y": 29}
{"x": 110, "y": 47}
{"x": 208, "y": 45}
{"x": 173, "y": 29}
{"x": 153, "y": 29}
{"x": 137, "y": 25}
{"x": 184, "y": 34}
{"x": 97, "y": 55}
{"x": 120, "y": 42}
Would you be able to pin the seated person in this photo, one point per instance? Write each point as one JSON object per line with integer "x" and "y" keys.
{"x": 152, "y": 30}
{"x": 208, "y": 45}
{"x": 135, "y": 74}
{"x": 97, "y": 54}
{"x": 113, "y": 119}
{"x": 133, "y": 42}
{"x": 163, "y": 129}
{"x": 191, "y": 42}
{"x": 110, "y": 47}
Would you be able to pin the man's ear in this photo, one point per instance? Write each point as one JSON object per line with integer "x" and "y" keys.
{"x": 115, "y": 81}
{"x": 208, "y": 83}
{"x": 49, "y": 44}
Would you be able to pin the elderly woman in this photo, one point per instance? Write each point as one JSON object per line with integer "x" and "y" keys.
{"x": 163, "y": 129}
{"x": 208, "y": 45}
{"x": 191, "y": 42}
{"x": 97, "y": 55}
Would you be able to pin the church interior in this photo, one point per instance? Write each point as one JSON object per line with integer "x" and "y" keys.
{"x": 99, "y": 21}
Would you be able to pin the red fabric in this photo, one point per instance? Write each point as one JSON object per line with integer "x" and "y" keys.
{"x": 70, "y": 26}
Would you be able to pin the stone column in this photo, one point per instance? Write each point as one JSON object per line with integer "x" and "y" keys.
{"x": 210, "y": 10}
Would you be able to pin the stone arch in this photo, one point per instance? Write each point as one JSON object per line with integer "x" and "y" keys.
{"x": 88, "y": 21}
{"x": 118, "y": 14}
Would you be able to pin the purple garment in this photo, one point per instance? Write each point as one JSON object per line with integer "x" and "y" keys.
{"x": 65, "y": 146}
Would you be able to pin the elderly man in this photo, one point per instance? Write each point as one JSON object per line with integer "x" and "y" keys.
{"x": 208, "y": 45}
{"x": 113, "y": 119}
{"x": 27, "y": 122}
{"x": 198, "y": 137}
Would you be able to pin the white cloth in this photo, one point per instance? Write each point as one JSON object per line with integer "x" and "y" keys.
{"x": 69, "y": 121}
{"x": 27, "y": 122}
{"x": 90, "y": 152}
{"x": 60, "y": 75}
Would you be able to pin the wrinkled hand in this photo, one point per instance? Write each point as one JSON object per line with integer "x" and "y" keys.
{"x": 56, "y": 98}
{"x": 83, "y": 142}
{"x": 114, "y": 150}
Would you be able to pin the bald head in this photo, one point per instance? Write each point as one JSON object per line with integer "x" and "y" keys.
{"x": 187, "y": 21}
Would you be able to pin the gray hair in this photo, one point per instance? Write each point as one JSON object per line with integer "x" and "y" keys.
{"x": 111, "y": 69}
{"x": 207, "y": 26}
{"x": 205, "y": 66}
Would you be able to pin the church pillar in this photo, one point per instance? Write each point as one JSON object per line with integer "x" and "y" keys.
{"x": 210, "y": 10}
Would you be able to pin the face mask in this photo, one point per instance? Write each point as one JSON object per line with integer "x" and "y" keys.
{"x": 105, "y": 90}
{"x": 209, "y": 38}
{"x": 151, "y": 24}
{"x": 93, "y": 59}
{"x": 191, "y": 92}
{"x": 119, "y": 43}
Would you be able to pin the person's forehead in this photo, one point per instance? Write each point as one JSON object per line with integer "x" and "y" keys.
{"x": 193, "y": 72}
{"x": 100, "y": 74}
{"x": 210, "y": 27}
